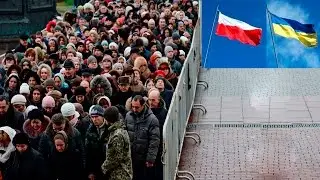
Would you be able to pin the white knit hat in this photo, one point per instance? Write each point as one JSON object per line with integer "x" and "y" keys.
{"x": 68, "y": 109}
{"x": 18, "y": 99}
{"x": 115, "y": 45}
{"x": 24, "y": 88}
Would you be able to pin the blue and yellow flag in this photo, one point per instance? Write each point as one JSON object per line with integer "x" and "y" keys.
{"x": 289, "y": 28}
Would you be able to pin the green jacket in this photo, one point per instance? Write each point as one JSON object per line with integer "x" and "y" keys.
{"x": 118, "y": 163}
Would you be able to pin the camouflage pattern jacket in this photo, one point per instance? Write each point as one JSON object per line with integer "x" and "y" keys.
{"x": 118, "y": 163}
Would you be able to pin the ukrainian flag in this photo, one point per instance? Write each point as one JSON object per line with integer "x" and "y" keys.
{"x": 289, "y": 28}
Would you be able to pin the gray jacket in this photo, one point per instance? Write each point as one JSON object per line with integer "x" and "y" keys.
{"x": 144, "y": 133}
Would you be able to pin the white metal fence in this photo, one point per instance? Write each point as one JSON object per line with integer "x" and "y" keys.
{"x": 174, "y": 130}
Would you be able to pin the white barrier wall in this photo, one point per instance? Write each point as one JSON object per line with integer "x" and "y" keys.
{"x": 181, "y": 105}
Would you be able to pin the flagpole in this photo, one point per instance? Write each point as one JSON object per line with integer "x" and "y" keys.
{"x": 212, "y": 29}
{"x": 272, "y": 37}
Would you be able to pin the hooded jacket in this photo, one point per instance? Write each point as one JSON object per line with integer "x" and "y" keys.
{"x": 10, "y": 148}
{"x": 103, "y": 82}
{"x": 11, "y": 92}
{"x": 33, "y": 136}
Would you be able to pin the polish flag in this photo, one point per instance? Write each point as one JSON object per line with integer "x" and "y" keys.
{"x": 238, "y": 30}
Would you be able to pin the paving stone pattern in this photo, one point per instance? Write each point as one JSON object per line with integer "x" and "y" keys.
{"x": 256, "y": 96}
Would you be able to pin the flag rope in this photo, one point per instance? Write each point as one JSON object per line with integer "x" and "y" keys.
{"x": 212, "y": 29}
{"x": 272, "y": 37}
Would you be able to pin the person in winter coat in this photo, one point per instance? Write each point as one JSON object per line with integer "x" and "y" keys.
{"x": 96, "y": 142}
{"x": 101, "y": 85}
{"x": 9, "y": 116}
{"x": 165, "y": 93}
{"x": 143, "y": 128}
{"x": 118, "y": 163}
{"x": 61, "y": 84}
{"x": 34, "y": 126}
{"x": 64, "y": 163}
{"x": 44, "y": 72}
{"x": 59, "y": 123}
{"x": 164, "y": 65}
{"x": 12, "y": 85}
{"x": 158, "y": 107}
{"x": 69, "y": 112}
{"x": 79, "y": 96}
{"x": 25, "y": 162}
{"x": 124, "y": 91}
{"x": 6, "y": 145}
{"x": 36, "y": 95}
{"x": 48, "y": 106}
{"x": 19, "y": 103}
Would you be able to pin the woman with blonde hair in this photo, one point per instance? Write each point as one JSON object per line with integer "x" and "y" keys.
{"x": 44, "y": 72}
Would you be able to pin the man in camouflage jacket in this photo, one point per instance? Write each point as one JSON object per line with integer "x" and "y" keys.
{"x": 118, "y": 163}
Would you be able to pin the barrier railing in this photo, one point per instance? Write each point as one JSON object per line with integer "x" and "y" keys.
{"x": 174, "y": 130}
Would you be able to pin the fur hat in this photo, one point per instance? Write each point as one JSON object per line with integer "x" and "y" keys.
{"x": 20, "y": 138}
{"x": 103, "y": 82}
{"x": 36, "y": 114}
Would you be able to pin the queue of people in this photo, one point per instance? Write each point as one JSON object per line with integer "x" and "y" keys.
{"x": 87, "y": 97}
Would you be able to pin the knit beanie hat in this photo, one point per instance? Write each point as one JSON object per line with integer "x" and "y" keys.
{"x": 96, "y": 110}
{"x": 111, "y": 114}
{"x": 18, "y": 99}
{"x": 24, "y": 88}
{"x": 167, "y": 49}
{"x": 21, "y": 138}
{"x": 158, "y": 53}
{"x": 104, "y": 43}
{"x": 68, "y": 109}
{"x": 48, "y": 101}
{"x": 80, "y": 91}
{"x": 115, "y": 45}
{"x": 36, "y": 114}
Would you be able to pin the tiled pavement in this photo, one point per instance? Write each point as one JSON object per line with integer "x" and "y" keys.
{"x": 253, "y": 97}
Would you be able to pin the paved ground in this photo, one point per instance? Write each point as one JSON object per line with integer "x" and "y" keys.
{"x": 261, "y": 124}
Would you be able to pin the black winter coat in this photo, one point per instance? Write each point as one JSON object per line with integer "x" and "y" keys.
{"x": 96, "y": 150}
{"x": 46, "y": 144}
{"x": 161, "y": 114}
{"x": 27, "y": 166}
{"x": 13, "y": 119}
{"x": 66, "y": 166}
{"x": 144, "y": 133}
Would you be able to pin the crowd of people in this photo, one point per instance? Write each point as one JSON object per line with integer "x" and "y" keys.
{"x": 87, "y": 97}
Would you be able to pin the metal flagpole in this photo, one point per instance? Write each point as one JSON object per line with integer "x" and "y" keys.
{"x": 212, "y": 29}
{"x": 272, "y": 37}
